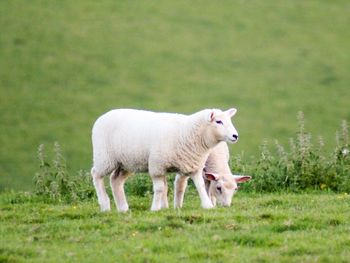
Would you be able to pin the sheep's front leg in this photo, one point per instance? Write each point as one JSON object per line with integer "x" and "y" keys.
{"x": 179, "y": 191}
{"x": 199, "y": 183}
{"x": 158, "y": 192}
{"x": 117, "y": 181}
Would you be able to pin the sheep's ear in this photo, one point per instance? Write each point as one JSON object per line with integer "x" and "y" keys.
{"x": 211, "y": 176}
{"x": 231, "y": 112}
{"x": 211, "y": 116}
{"x": 242, "y": 178}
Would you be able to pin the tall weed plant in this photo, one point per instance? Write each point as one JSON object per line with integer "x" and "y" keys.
{"x": 55, "y": 183}
{"x": 304, "y": 166}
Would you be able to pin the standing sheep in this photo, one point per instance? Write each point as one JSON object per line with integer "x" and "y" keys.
{"x": 220, "y": 183}
{"x": 126, "y": 141}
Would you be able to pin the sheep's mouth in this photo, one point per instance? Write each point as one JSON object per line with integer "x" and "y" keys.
{"x": 231, "y": 140}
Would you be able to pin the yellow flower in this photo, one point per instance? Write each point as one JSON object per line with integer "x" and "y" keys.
{"x": 323, "y": 186}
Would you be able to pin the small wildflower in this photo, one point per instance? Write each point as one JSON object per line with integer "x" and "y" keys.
{"x": 345, "y": 151}
{"x": 288, "y": 223}
{"x": 216, "y": 237}
{"x": 231, "y": 226}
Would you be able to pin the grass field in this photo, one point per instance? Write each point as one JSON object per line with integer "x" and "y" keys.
{"x": 63, "y": 63}
{"x": 258, "y": 228}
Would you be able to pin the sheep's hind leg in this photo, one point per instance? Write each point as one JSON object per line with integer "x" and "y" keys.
{"x": 199, "y": 183}
{"x": 117, "y": 181}
{"x": 180, "y": 185}
{"x": 158, "y": 190}
{"x": 102, "y": 196}
{"x": 165, "y": 203}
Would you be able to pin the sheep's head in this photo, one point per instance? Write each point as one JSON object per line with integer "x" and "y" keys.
{"x": 221, "y": 188}
{"x": 222, "y": 125}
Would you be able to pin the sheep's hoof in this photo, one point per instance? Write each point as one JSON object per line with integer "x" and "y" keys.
{"x": 155, "y": 209}
{"x": 207, "y": 206}
{"x": 123, "y": 210}
{"x": 105, "y": 208}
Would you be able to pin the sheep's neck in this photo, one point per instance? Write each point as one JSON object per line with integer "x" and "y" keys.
{"x": 216, "y": 163}
{"x": 194, "y": 146}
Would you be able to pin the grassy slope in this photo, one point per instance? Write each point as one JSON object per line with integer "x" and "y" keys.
{"x": 258, "y": 228}
{"x": 63, "y": 63}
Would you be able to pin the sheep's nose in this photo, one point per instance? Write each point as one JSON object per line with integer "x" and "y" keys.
{"x": 235, "y": 137}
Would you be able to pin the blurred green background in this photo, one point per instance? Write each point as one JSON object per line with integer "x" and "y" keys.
{"x": 63, "y": 63}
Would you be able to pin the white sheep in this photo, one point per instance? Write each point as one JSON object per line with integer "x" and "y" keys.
{"x": 126, "y": 141}
{"x": 220, "y": 183}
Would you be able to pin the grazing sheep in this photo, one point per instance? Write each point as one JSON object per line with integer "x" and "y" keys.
{"x": 126, "y": 141}
{"x": 219, "y": 181}
{"x": 221, "y": 184}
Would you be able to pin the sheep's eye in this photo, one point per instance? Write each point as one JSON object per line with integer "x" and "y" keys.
{"x": 219, "y": 122}
{"x": 219, "y": 189}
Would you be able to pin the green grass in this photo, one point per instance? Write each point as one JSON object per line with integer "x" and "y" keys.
{"x": 64, "y": 63}
{"x": 258, "y": 228}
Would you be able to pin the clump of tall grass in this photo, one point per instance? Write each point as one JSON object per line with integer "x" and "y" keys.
{"x": 53, "y": 181}
{"x": 305, "y": 165}
{"x": 139, "y": 185}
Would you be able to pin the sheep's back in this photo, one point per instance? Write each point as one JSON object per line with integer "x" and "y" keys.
{"x": 128, "y": 136}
